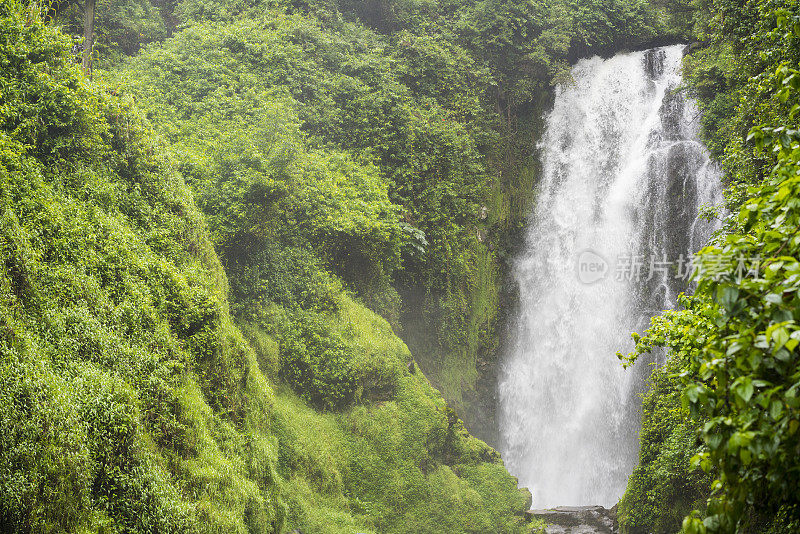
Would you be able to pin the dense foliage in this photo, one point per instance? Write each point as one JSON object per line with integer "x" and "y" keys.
{"x": 129, "y": 399}
{"x": 208, "y": 250}
{"x": 384, "y": 143}
{"x": 734, "y": 345}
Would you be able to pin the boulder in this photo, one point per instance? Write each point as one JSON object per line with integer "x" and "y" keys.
{"x": 578, "y": 520}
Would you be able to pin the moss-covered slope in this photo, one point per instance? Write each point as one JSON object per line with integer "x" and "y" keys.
{"x": 130, "y": 402}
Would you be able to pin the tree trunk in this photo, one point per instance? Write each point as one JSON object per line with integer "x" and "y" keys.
{"x": 88, "y": 37}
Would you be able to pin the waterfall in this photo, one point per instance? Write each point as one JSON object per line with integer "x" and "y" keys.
{"x": 607, "y": 247}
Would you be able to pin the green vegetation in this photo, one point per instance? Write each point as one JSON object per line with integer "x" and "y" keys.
{"x": 208, "y": 248}
{"x": 734, "y": 347}
{"x": 435, "y": 105}
{"x": 663, "y": 488}
{"x": 130, "y": 400}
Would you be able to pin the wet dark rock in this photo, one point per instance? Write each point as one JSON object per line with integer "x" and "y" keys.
{"x": 578, "y": 520}
{"x": 672, "y": 116}
{"x": 654, "y": 63}
{"x": 694, "y": 47}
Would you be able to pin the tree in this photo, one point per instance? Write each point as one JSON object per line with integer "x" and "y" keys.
{"x": 88, "y": 36}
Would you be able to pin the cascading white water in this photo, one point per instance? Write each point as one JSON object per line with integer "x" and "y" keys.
{"x": 615, "y": 219}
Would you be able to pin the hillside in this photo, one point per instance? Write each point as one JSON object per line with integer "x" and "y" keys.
{"x": 256, "y": 263}
{"x": 131, "y": 401}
